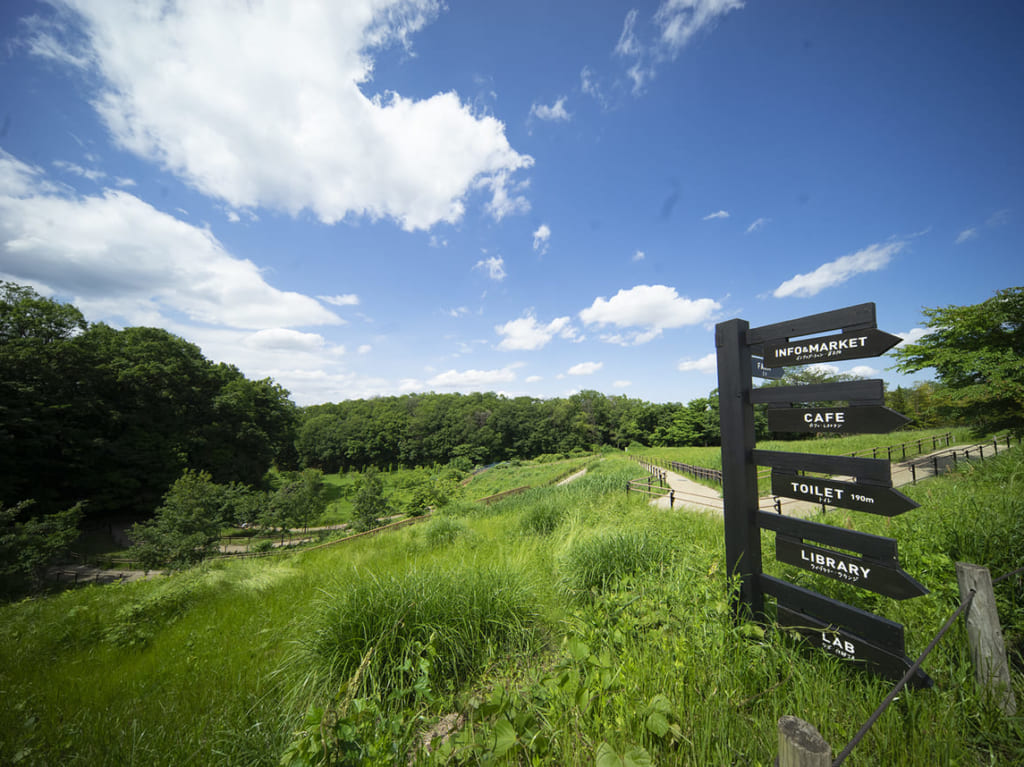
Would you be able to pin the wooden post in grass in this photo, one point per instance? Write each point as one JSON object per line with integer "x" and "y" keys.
{"x": 801, "y": 745}
{"x": 985, "y": 637}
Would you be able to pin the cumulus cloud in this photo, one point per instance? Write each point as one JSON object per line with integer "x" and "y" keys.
{"x": 541, "y": 238}
{"x": 621, "y": 384}
{"x": 473, "y": 379}
{"x": 716, "y": 214}
{"x": 913, "y": 335}
{"x": 706, "y": 364}
{"x": 119, "y": 256}
{"x": 285, "y": 339}
{"x": 651, "y": 308}
{"x": 864, "y": 371}
{"x": 870, "y": 259}
{"x": 526, "y": 334}
{"x": 584, "y": 369}
{"x": 639, "y": 256}
{"x": 270, "y": 105}
{"x": 364, "y": 349}
{"x": 494, "y": 266}
{"x": 554, "y": 113}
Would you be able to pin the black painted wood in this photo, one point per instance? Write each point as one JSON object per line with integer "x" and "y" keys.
{"x": 874, "y": 499}
{"x": 856, "y": 317}
{"x": 876, "y": 547}
{"x": 870, "y": 390}
{"x": 848, "y": 419}
{"x": 876, "y": 470}
{"x": 880, "y": 577}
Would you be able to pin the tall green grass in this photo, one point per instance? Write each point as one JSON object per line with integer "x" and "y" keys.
{"x": 478, "y": 612}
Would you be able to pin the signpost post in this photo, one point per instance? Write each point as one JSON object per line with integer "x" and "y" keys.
{"x": 838, "y": 628}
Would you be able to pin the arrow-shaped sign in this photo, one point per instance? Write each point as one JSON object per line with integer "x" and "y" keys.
{"x": 849, "y": 646}
{"x": 762, "y": 371}
{"x": 854, "y": 419}
{"x": 845, "y": 346}
{"x": 874, "y": 499}
{"x": 880, "y": 577}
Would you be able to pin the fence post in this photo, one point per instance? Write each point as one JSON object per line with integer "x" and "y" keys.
{"x": 671, "y": 499}
{"x": 801, "y": 745}
{"x": 984, "y": 636}
{"x": 913, "y": 474}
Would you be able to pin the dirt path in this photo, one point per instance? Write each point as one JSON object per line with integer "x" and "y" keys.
{"x": 571, "y": 477}
{"x": 89, "y": 574}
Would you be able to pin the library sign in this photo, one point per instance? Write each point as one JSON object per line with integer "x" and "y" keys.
{"x": 867, "y": 561}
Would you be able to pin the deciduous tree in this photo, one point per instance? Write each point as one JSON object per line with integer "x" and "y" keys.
{"x": 977, "y": 353}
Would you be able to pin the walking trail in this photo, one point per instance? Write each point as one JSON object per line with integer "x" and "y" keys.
{"x": 697, "y": 497}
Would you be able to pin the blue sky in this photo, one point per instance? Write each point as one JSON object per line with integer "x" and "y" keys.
{"x": 372, "y": 198}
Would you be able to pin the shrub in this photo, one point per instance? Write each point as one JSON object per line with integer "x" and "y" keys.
{"x": 597, "y": 562}
{"x": 463, "y": 615}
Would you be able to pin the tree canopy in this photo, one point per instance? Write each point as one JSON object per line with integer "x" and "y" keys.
{"x": 977, "y": 353}
{"x": 113, "y": 417}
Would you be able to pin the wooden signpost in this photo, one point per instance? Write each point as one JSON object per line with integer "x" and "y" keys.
{"x": 857, "y": 407}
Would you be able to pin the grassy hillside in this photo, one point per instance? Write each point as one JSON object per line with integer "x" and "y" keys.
{"x": 562, "y": 625}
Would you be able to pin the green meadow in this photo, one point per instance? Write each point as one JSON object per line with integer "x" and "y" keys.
{"x": 565, "y": 625}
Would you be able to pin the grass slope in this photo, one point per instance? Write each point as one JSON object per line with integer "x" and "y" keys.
{"x": 565, "y": 625}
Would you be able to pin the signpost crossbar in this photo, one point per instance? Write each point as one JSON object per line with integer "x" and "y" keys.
{"x": 874, "y": 628}
{"x": 871, "y": 390}
{"x": 876, "y": 470}
{"x": 857, "y": 317}
{"x": 873, "y": 546}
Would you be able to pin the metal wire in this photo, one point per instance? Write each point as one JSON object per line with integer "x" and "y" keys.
{"x": 902, "y": 683}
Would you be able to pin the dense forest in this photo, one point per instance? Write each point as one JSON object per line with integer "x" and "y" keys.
{"x": 112, "y": 418}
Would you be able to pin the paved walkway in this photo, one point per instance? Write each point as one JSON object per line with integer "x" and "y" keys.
{"x": 695, "y": 496}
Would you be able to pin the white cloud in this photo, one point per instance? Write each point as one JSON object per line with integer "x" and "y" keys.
{"x": 526, "y": 334}
{"x": 91, "y": 174}
{"x": 757, "y": 224}
{"x": 584, "y": 369}
{"x": 364, "y": 349}
{"x": 680, "y": 20}
{"x": 458, "y": 311}
{"x": 119, "y": 256}
{"x": 533, "y": 379}
{"x": 823, "y": 368}
{"x": 870, "y": 259}
{"x": 504, "y": 200}
{"x": 284, "y": 339}
{"x": 473, "y": 379}
{"x": 621, "y": 384}
{"x": 913, "y": 335}
{"x": 270, "y": 104}
{"x": 590, "y": 86}
{"x": 965, "y": 235}
{"x": 864, "y": 371}
{"x": 347, "y": 299}
{"x": 676, "y": 22}
{"x": 706, "y": 364}
{"x": 716, "y": 214}
{"x": 494, "y": 266}
{"x": 651, "y": 307}
{"x": 639, "y": 256}
{"x": 541, "y": 238}
{"x": 554, "y": 113}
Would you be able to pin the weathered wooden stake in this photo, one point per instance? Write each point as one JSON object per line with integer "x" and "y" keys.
{"x": 801, "y": 745}
{"x": 985, "y": 637}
